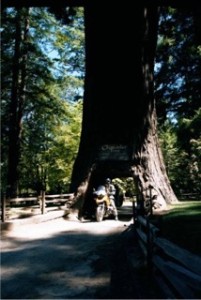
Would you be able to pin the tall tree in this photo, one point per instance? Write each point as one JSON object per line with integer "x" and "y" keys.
{"x": 119, "y": 105}
{"x": 17, "y": 97}
{"x": 119, "y": 109}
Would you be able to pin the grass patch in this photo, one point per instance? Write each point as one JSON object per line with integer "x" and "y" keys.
{"x": 181, "y": 224}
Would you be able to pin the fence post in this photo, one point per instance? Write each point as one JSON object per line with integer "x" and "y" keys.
{"x": 43, "y": 202}
{"x": 149, "y": 234}
{"x": 134, "y": 211}
{"x": 3, "y": 216}
{"x": 149, "y": 246}
{"x": 150, "y": 195}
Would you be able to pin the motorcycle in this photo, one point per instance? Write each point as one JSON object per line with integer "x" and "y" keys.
{"x": 102, "y": 210}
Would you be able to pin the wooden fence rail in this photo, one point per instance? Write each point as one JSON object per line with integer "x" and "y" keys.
{"x": 190, "y": 196}
{"x": 176, "y": 270}
{"x": 42, "y": 201}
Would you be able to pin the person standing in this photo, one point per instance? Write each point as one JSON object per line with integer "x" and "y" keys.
{"x": 111, "y": 191}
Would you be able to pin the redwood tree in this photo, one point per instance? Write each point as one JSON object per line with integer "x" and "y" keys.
{"x": 119, "y": 105}
{"x": 119, "y": 109}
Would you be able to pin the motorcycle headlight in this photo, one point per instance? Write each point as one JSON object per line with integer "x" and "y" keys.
{"x": 100, "y": 193}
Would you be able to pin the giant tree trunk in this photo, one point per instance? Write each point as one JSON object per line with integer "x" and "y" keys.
{"x": 149, "y": 170}
{"x": 118, "y": 101}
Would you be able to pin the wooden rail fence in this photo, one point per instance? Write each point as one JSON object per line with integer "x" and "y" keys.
{"x": 42, "y": 201}
{"x": 176, "y": 270}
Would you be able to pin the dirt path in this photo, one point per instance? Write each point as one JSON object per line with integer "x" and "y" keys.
{"x": 62, "y": 259}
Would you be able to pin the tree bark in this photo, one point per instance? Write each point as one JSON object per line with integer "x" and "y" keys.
{"x": 149, "y": 171}
{"x": 119, "y": 108}
{"x": 17, "y": 102}
{"x": 118, "y": 102}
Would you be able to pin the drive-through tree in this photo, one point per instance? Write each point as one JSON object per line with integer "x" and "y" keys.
{"x": 119, "y": 132}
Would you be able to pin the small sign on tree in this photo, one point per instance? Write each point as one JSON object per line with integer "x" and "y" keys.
{"x": 113, "y": 152}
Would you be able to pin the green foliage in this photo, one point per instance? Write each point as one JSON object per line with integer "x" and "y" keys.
{"x": 178, "y": 59}
{"x": 126, "y": 185}
{"x": 172, "y": 154}
{"x": 177, "y": 93}
{"x": 182, "y": 154}
{"x": 63, "y": 151}
{"x": 190, "y": 140}
{"x": 52, "y": 111}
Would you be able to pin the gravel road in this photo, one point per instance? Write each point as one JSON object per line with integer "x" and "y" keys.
{"x": 62, "y": 259}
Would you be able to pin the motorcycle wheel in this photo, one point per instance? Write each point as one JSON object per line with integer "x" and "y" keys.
{"x": 100, "y": 213}
{"x": 119, "y": 200}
